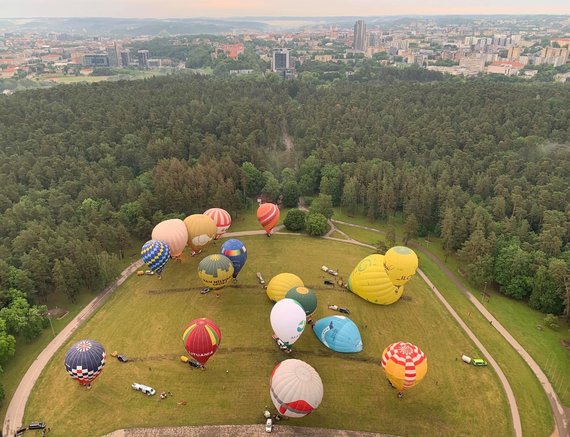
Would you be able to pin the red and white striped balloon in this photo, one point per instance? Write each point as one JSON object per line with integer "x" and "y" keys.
{"x": 222, "y": 218}
{"x": 405, "y": 365}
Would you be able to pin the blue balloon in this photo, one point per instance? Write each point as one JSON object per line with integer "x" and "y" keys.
{"x": 236, "y": 252}
{"x": 338, "y": 333}
{"x": 85, "y": 360}
{"x": 155, "y": 253}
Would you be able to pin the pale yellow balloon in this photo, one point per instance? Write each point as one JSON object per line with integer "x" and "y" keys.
{"x": 201, "y": 231}
{"x": 281, "y": 284}
{"x": 400, "y": 263}
{"x": 370, "y": 281}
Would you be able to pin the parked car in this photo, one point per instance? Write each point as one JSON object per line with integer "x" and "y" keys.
{"x": 343, "y": 310}
{"x": 478, "y": 362}
{"x": 21, "y": 430}
{"x": 269, "y": 425}
{"x": 149, "y": 391}
{"x": 148, "y": 272}
{"x": 36, "y": 425}
{"x": 122, "y": 358}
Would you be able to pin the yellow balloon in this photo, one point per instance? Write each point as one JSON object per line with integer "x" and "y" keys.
{"x": 405, "y": 365}
{"x": 201, "y": 231}
{"x": 400, "y": 263}
{"x": 281, "y": 284}
{"x": 370, "y": 281}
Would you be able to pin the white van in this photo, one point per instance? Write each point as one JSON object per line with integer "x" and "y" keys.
{"x": 149, "y": 391}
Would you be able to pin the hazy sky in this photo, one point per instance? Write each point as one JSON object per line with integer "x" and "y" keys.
{"x": 240, "y": 8}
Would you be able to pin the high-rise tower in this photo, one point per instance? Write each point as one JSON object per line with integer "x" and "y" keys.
{"x": 360, "y": 39}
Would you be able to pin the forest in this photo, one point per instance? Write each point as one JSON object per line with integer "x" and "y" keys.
{"x": 88, "y": 170}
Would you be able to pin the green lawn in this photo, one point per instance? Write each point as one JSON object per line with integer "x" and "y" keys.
{"x": 362, "y": 235}
{"x": 145, "y": 318}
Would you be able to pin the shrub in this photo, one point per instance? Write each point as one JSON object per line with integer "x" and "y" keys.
{"x": 295, "y": 220}
{"x": 551, "y": 321}
{"x": 316, "y": 224}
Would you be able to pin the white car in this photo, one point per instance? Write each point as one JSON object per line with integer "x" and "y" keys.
{"x": 269, "y": 425}
{"x": 149, "y": 391}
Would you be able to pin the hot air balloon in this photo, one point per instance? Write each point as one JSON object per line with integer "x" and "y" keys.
{"x": 305, "y": 296}
{"x": 405, "y": 365}
{"x": 338, "y": 333}
{"x": 400, "y": 263}
{"x": 221, "y": 218}
{"x": 201, "y": 231}
{"x": 155, "y": 254}
{"x": 281, "y": 284}
{"x": 201, "y": 339}
{"x": 296, "y": 388}
{"x": 84, "y": 361}
{"x": 236, "y": 252}
{"x": 268, "y": 216}
{"x": 215, "y": 271}
{"x": 288, "y": 320}
{"x": 174, "y": 233}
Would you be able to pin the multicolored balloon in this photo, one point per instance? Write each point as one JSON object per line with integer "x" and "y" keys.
{"x": 281, "y": 284}
{"x": 84, "y": 361}
{"x": 236, "y": 252}
{"x": 201, "y": 339}
{"x": 222, "y": 219}
{"x": 174, "y": 233}
{"x": 405, "y": 365}
{"x": 339, "y": 334}
{"x": 296, "y": 388}
{"x": 156, "y": 254}
{"x": 288, "y": 320}
{"x": 215, "y": 271}
{"x": 268, "y": 216}
{"x": 201, "y": 231}
{"x": 305, "y": 296}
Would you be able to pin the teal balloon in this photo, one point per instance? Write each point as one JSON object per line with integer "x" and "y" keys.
{"x": 155, "y": 253}
{"x": 339, "y": 334}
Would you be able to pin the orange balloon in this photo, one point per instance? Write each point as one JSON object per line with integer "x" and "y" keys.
{"x": 268, "y": 216}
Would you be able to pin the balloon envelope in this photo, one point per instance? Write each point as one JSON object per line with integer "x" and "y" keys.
{"x": 405, "y": 365}
{"x": 296, "y": 388}
{"x": 268, "y": 216}
{"x": 288, "y": 320}
{"x": 236, "y": 252}
{"x": 400, "y": 263}
{"x": 215, "y": 271}
{"x": 155, "y": 254}
{"x": 221, "y": 218}
{"x": 370, "y": 281}
{"x": 201, "y": 231}
{"x": 305, "y": 296}
{"x": 281, "y": 284}
{"x": 174, "y": 233}
{"x": 84, "y": 361}
{"x": 338, "y": 333}
{"x": 201, "y": 339}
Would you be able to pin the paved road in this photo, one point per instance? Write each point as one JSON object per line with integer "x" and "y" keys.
{"x": 15, "y": 412}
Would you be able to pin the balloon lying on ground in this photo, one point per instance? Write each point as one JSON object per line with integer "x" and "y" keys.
{"x": 174, "y": 233}
{"x": 201, "y": 339}
{"x": 379, "y": 279}
{"x": 405, "y": 365}
{"x": 296, "y": 388}
{"x": 221, "y": 218}
{"x": 84, "y": 361}
{"x": 268, "y": 216}
{"x": 215, "y": 271}
{"x": 288, "y": 320}
{"x": 155, "y": 253}
{"x": 305, "y": 296}
{"x": 237, "y": 254}
{"x": 338, "y": 333}
{"x": 201, "y": 231}
{"x": 281, "y": 284}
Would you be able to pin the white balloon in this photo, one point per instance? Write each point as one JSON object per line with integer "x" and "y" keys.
{"x": 288, "y": 320}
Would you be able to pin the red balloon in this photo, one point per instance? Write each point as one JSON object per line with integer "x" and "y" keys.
{"x": 201, "y": 339}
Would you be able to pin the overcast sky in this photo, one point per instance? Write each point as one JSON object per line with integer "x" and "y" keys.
{"x": 275, "y": 8}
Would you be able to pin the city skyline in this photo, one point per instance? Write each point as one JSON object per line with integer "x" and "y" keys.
{"x": 271, "y": 8}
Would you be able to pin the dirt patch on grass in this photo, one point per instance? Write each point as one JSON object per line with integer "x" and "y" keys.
{"x": 57, "y": 313}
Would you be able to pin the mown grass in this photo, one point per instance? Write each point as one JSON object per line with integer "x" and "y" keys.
{"x": 145, "y": 318}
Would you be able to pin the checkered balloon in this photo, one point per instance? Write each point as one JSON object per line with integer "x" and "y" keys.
{"x": 155, "y": 253}
{"x": 85, "y": 360}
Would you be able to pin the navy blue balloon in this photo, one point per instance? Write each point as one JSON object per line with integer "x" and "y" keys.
{"x": 84, "y": 361}
{"x": 338, "y": 333}
{"x": 155, "y": 253}
{"x": 236, "y": 252}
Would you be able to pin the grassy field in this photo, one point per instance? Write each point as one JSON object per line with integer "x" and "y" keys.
{"x": 145, "y": 318}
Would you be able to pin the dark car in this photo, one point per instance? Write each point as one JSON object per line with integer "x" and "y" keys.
{"x": 36, "y": 425}
{"x": 343, "y": 310}
{"x": 21, "y": 431}
{"x": 122, "y": 358}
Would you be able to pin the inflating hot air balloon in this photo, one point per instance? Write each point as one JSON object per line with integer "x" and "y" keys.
{"x": 201, "y": 339}
{"x": 221, "y": 218}
{"x": 296, "y": 388}
{"x": 84, "y": 361}
{"x": 268, "y": 216}
{"x": 215, "y": 271}
{"x": 405, "y": 365}
{"x": 338, "y": 333}
{"x": 305, "y": 296}
{"x": 288, "y": 320}
{"x": 174, "y": 233}
{"x": 155, "y": 254}
{"x": 236, "y": 252}
{"x": 201, "y": 231}
{"x": 400, "y": 263}
{"x": 281, "y": 284}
